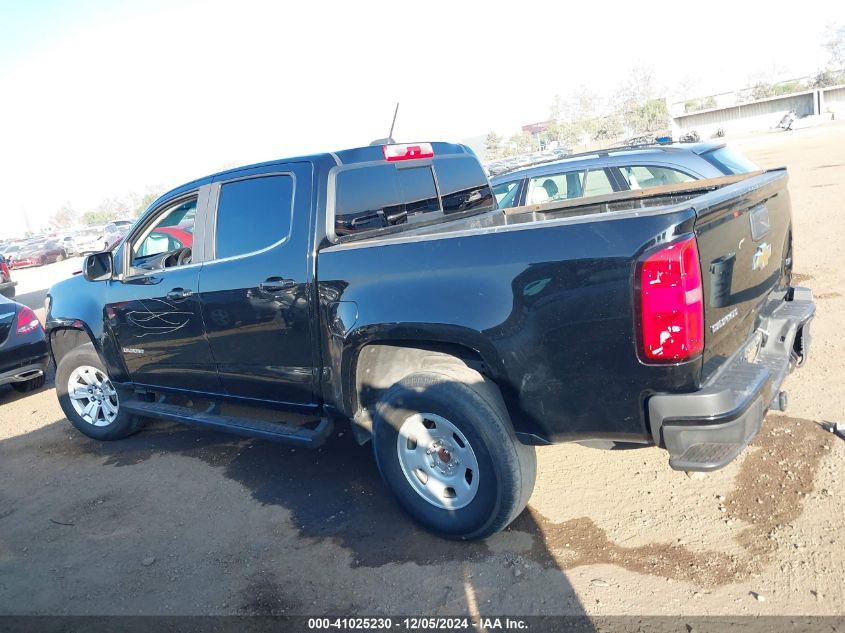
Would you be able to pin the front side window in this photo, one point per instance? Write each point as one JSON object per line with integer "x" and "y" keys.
{"x": 253, "y": 214}
{"x": 648, "y": 176}
{"x": 168, "y": 240}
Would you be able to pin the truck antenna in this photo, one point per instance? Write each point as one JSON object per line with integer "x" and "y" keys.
{"x": 389, "y": 140}
{"x": 393, "y": 124}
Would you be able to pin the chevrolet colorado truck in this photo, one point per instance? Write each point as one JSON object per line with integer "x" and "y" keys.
{"x": 382, "y": 286}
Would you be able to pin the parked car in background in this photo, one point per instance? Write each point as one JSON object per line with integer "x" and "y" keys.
{"x": 23, "y": 349}
{"x": 89, "y": 240}
{"x": 114, "y": 232}
{"x": 68, "y": 244}
{"x": 39, "y": 254}
{"x": 11, "y": 251}
{"x": 7, "y": 286}
{"x": 622, "y": 169}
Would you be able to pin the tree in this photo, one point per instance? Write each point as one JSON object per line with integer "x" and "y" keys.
{"x": 138, "y": 202}
{"x": 108, "y": 210}
{"x": 835, "y": 44}
{"x": 520, "y": 143}
{"x": 493, "y": 145}
{"x": 64, "y": 218}
{"x": 638, "y": 103}
{"x": 825, "y": 78}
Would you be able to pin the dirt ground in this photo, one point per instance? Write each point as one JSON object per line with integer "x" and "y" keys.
{"x": 180, "y": 521}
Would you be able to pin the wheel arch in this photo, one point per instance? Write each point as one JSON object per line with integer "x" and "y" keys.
{"x": 64, "y": 338}
{"x": 372, "y": 364}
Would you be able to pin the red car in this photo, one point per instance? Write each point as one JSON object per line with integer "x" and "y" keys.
{"x": 39, "y": 254}
{"x": 180, "y": 238}
{"x": 7, "y": 286}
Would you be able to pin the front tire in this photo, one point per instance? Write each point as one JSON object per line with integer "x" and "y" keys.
{"x": 445, "y": 447}
{"x": 88, "y": 398}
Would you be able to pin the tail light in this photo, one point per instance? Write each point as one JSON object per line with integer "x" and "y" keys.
{"x": 4, "y": 269}
{"x": 408, "y": 151}
{"x": 672, "y": 310}
{"x": 27, "y": 321}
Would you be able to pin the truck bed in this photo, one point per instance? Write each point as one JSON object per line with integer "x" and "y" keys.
{"x": 545, "y": 296}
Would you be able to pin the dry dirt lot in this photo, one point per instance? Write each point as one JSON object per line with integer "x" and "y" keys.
{"x": 181, "y": 521}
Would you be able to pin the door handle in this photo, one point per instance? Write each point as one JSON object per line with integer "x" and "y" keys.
{"x": 179, "y": 293}
{"x": 276, "y": 284}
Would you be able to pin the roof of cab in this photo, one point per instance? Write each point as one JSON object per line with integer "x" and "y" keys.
{"x": 367, "y": 153}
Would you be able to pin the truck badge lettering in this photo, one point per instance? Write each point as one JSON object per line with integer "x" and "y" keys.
{"x": 718, "y": 325}
{"x": 132, "y": 350}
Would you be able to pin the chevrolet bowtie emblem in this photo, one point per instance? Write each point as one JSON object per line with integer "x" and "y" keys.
{"x": 761, "y": 256}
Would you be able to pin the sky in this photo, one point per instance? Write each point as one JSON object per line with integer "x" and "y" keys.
{"x": 99, "y": 98}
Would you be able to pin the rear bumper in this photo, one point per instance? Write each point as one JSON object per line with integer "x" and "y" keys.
{"x": 24, "y": 373}
{"x": 707, "y": 429}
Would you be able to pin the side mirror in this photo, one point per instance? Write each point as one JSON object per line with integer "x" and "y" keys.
{"x": 98, "y": 267}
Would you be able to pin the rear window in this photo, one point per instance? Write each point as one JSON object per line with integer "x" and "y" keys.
{"x": 729, "y": 161}
{"x": 396, "y": 194}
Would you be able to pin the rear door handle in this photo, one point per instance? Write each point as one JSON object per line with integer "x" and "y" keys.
{"x": 179, "y": 293}
{"x": 276, "y": 284}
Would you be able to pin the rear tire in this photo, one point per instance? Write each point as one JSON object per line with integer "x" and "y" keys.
{"x": 88, "y": 398}
{"x": 445, "y": 447}
{"x": 9, "y": 293}
{"x": 29, "y": 385}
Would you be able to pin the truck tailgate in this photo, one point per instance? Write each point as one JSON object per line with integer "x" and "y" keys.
{"x": 744, "y": 236}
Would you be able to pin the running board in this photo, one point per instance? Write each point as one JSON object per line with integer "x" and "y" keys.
{"x": 247, "y": 427}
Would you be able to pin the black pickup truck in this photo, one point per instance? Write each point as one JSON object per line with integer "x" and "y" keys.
{"x": 382, "y": 286}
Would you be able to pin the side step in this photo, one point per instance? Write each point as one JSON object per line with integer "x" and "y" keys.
{"x": 247, "y": 427}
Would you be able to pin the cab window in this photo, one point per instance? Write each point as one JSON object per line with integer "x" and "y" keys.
{"x": 168, "y": 240}
{"x": 394, "y": 195}
{"x": 253, "y": 214}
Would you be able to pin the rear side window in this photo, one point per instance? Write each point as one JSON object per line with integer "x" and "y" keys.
{"x": 647, "y": 176}
{"x": 597, "y": 183}
{"x": 729, "y": 161}
{"x": 505, "y": 193}
{"x": 253, "y": 214}
{"x": 380, "y": 196}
